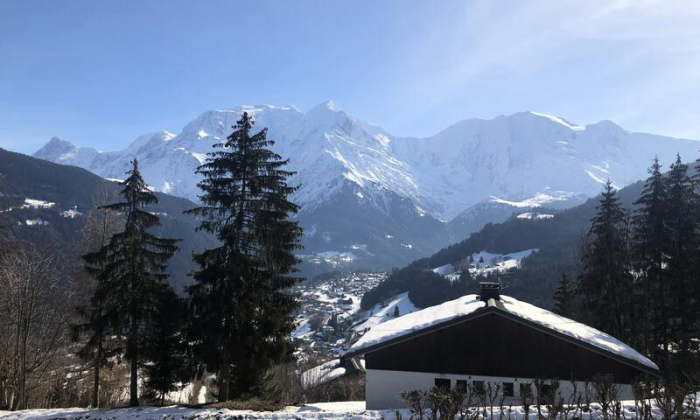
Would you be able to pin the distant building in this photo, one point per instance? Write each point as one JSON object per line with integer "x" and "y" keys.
{"x": 490, "y": 338}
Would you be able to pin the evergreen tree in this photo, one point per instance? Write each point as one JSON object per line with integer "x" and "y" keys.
{"x": 165, "y": 348}
{"x": 651, "y": 243}
{"x": 605, "y": 283}
{"x": 243, "y": 312}
{"x": 95, "y": 349}
{"x": 680, "y": 263}
{"x": 97, "y": 346}
{"x": 130, "y": 272}
{"x": 564, "y": 298}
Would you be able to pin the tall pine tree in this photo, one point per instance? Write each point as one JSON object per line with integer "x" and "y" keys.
{"x": 243, "y": 311}
{"x": 605, "y": 283}
{"x": 650, "y": 245}
{"x": 680, "y": 264}
{"x": 97, "y": 346}
{"x": 131, "y": 271}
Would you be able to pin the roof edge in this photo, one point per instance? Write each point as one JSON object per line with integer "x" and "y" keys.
{"x": 499, "y": 309}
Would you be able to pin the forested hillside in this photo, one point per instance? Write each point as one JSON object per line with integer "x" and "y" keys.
{"x": 47, "y": 204}
{"x": 558, "y": 240}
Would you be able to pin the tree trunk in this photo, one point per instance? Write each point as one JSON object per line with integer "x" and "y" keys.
{"x": 96, "y": 383}
{"x": 224, "y": 375}
{"x": 133, "y": 350}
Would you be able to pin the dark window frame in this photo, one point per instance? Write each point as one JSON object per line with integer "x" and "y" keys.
{"x": 508, "y": 389}
{"x": 461, "y": 385}
{"x": 443, "y": 383}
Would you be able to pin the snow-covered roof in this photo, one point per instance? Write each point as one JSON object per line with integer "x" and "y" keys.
{"x": 574, "y": 329}
{"x": 471, "y": 304}
{"x": 419, "y": 320}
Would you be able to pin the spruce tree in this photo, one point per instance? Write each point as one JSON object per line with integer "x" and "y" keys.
{"x": 130, "y": 272}
{"x": 165, "y": 348}
{"x": 564, "y": 298}
{"x": 97, "y": 345}
{"x": 680, "y": 263}
{"x": 605, "y": 283}
{"x": 243, "y": 311}
{"x": 651, "y": 243}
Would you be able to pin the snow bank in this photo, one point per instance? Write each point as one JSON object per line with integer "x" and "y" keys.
{"x": 380, "y": 314}
{"x": 321, "y": 411}
{"x": 322, "y": 373}
{"x": 497, "y": 263}
{"x": 444, "y": 270}
{"x": 37, "y": 204}
{"x": 354, "y": 410}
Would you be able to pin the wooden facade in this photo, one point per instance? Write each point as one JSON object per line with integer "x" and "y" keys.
{"x": 498, "y": 344}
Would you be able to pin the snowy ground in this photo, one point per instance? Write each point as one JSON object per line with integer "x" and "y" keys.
{"x": 486, "y": 262}
{"x": 381, "y": 313}
{"x": 325, "y": 411}
{"x": 322, "y": 411}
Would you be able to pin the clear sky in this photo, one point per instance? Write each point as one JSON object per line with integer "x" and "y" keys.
{"x": 100, "y": 73}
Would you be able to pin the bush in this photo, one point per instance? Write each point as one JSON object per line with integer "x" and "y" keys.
{"x": 442, "y": 403}
{"x": 253, "y": 404}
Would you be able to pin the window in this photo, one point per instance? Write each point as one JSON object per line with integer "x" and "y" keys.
{"x": 479, "y": 386}
{"x": 461, "y": 386}
{"x": 525, "y": 389}
{"x": 508, "y": 390}
{"x": 443, "y": 383}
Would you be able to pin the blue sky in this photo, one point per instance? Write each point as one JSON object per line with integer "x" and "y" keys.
{"x": 101, "y": 73}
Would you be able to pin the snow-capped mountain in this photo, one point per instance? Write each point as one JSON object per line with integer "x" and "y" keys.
{"x": 366, "y": 193}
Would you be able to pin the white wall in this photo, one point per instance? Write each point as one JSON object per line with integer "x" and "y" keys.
{"x": 384, "y": 387}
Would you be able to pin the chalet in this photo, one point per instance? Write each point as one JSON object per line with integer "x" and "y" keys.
{"x": 490, "y": 338}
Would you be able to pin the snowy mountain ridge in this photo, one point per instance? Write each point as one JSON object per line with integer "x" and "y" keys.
{"x": 518, "y": 158}
{"x": 385, "y": 198}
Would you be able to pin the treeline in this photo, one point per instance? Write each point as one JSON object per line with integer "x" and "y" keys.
{"x": 62, "y": 324}
{"x": 640, "y": 270}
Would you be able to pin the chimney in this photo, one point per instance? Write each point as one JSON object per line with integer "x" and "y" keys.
{"x": 490, "y": 290}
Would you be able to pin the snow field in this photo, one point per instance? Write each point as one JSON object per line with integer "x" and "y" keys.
{"x": 354, "y": 410}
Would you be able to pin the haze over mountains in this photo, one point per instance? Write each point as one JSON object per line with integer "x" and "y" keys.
{"x": 370, "y": 199}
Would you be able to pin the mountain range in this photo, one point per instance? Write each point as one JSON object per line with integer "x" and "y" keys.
{"x": 370, "y": 199}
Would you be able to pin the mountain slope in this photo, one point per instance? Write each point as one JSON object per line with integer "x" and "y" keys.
{"x": 351, "y": 172}
{"x": 46, "y": 203}
{"x": 556, "y": 240}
